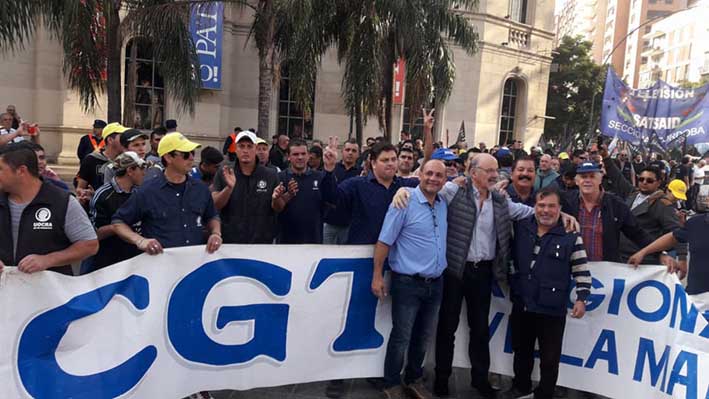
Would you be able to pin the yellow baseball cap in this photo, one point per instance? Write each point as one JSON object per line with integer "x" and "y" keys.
{"x": 678, "y": 189}
{"x": 112, "y": 128}
{"x": 175, "y": 142}
{"x": 259, "y": 140}
{"x": 563, "y": 155}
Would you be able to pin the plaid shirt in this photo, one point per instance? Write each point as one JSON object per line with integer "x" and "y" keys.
{"x": 592, "y": 230}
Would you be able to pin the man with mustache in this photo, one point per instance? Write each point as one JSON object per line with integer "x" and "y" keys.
{"x": 522, "y": 188}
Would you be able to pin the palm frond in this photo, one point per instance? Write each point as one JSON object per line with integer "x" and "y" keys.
{"x": 165, "y": 24}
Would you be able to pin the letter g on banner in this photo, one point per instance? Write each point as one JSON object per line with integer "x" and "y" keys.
{"x": 37, "y": 364}
{"x": 184, "y": 315}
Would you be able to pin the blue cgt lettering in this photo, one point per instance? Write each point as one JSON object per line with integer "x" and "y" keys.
{"x": 36, "y": 359}
{"x": 359, "y": 332}
{"x": 184, "y": 315}
{"x": 656, "y": 315}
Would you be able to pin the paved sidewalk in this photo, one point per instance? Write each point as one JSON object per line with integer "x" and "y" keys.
{"x": 361, "y": 389}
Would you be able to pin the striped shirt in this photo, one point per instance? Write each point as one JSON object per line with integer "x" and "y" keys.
{"x": 580, "y": 271}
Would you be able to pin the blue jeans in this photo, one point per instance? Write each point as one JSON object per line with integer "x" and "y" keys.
{"x": 414, "y": 307}
{"x": 335, "y": 235}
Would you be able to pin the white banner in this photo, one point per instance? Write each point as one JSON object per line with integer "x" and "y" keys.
{"x": 259, "y": 316}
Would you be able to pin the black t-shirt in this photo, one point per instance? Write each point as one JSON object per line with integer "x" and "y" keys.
{"x": 301, "y": 221}
{"x": 104, "y": 204}
{"x": 684, "y": 171}
{"x": 91, "y": 169}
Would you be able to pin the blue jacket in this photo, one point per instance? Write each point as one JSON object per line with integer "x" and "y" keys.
{"x": 544, "y": 288}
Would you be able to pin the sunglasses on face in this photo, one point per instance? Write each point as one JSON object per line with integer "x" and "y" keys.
{"x": 647, "y": 180}
{"x": 185, "y": 155}
{"x": 449, "y": 163}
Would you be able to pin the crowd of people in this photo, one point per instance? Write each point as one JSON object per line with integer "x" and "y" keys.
{"x": 450, "y": 221}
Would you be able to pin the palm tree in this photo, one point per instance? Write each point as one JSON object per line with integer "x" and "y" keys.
{"x": 92, "y": 33}
{"x": 371, "y": 35}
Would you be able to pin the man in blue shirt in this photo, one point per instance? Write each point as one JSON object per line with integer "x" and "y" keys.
{"x": 337, "y": 220}
{"x": 523, "y": 175}
{"x": 210, "y": 159}
{"x": 300, "y": 222}
{"x": 414, "y": 239}
{"x": 367, "y": 197}
{"x": 172, "y": 208}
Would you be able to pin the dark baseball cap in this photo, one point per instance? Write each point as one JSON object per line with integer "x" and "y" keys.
{"x": 588, "y": 167}
{"x": 171, "y": 124}
{"x": 99, "y": 124}
{"x": 132, "y": 134}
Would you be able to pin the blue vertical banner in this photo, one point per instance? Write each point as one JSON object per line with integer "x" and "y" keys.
{"x": 207, "y": 26}
{"x": 661, "y": 116}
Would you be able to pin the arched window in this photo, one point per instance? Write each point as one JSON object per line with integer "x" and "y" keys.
{"x": 508, "y": 114}
{"x": 144, "y": 95}
{"x": 292, "y": 121}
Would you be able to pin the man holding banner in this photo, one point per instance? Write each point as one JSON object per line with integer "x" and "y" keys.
{"x": 414, "y": 239}
{"x": 546, "y": 258}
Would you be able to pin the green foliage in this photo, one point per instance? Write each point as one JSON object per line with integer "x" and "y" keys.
{"x": 83, "y": 28}
{"x": 694, "y": 85}
{"x": 578, "y": 82}
{"x": 370, "y": 36}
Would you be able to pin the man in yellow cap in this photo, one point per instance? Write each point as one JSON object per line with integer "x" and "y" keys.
{"x": 90, "y": 176}
{"x": 173, "y": 209}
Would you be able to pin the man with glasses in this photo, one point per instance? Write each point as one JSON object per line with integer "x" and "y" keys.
{"x": 449, "y": 158}
{"x": 173, "y": 209}
{"x": 477, "y": 251}
{"x": 578, "y": 157}
{"x": 655, "y": 212}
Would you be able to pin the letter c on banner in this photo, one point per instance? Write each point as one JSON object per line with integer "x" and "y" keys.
{"x": 184, "y": 316}
{"x": 37, "y": 364}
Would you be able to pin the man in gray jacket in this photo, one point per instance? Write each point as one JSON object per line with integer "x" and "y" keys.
{"x": 655, "y": 213}
{"x": 477, "y": 250}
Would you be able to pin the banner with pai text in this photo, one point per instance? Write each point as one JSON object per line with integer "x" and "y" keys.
{"x": 259, "y": 316}
{"x": 655, "y": 118}
{"x": 207, "y": 27}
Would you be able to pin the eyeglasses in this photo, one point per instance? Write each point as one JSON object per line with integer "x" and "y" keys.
{"x": 185, "y": 155}
{"x": 449, "y": 163}
{"x": 647, "y": 180}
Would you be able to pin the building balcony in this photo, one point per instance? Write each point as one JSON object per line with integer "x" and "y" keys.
{"x": 519, "y": 38}
{"x": 653, "y": 52}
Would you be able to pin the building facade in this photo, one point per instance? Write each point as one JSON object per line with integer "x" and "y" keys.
{"x": 500, "y": 92}
{"x": 585, "y": 18}
{"x": 615, "y": 31}
{"x": 678, "y": 48}
{"x": 640, "y": 12}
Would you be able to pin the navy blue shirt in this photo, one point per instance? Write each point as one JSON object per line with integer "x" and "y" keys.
{"x": 173, "y": 214}
{"x": 516, "y": 198}
{"x": 301, "y": 220}
{"x": 340, "y": 216}
{"x": 696, "y": 233}
{"x": 368, "y": 201}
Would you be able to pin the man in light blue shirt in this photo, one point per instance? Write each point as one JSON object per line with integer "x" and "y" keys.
{"x": 414, "y": 239}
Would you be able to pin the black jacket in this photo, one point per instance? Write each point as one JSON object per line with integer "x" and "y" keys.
{"x": 616, "y": 217}
{"x": 248, "y": 217}
{"x": 657, "y": 216}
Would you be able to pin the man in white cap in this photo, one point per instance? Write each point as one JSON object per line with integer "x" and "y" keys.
{"x": 248, "y": 196}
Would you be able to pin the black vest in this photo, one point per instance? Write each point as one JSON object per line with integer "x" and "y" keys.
{"x": 41, "y": 227}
